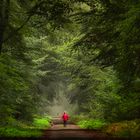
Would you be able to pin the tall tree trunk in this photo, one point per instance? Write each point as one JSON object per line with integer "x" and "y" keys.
{"x": 1, "y": 23}
{"x": 4, "y": 15}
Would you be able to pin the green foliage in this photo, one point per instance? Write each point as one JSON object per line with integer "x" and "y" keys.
{"x": 112, "y": 29}
{"x": 78, "y": 117}
{"x": 42, "y": 123}
{"x": 110, "y": 40}
{"x": 15, "y": 90}
{"x": 19, "y": 132}
{"x": 16, "y": 128}
{"x": 124, "y": 129}
{"x": 91, "y": 47}
{"x": 92, "y": 124}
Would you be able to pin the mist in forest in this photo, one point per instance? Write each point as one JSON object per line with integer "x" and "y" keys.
{"x": 61, "y": 102}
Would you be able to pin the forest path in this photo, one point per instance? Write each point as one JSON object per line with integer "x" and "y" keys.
{"x": 72, "y": 132}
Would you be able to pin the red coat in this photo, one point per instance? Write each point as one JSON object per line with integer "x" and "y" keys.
{"x": 65, "y": 117}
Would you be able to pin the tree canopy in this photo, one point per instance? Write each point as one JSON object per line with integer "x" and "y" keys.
{"x": 91, "y": 47}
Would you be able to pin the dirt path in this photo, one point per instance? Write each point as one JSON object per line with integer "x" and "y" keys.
{"x": 61, "y": 127}
{"x": 70, "y": 132}
{"x": 73, "y": 132}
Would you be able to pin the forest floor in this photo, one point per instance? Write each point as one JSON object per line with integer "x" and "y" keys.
{"x": 71, "y": 132}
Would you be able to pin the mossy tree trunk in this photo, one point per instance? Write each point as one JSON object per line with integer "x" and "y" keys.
{"x": 4, "y": 15}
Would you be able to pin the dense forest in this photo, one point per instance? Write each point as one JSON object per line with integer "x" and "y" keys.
{"x": 87, "y": 51}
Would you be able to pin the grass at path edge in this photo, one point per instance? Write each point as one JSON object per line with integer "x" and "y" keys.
{"x": 20, "y": 129}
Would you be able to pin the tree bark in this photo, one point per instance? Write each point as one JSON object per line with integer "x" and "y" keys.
{"x": 4, "y": 15}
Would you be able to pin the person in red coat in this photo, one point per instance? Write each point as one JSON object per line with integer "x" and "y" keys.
{"x": 65, "y": 118}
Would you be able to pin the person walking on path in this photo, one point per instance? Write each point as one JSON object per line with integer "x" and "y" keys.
{"x": 65, "y": 118}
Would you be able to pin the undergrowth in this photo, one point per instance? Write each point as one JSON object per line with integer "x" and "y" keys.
{"x": 92, "y": 124}
{"x": 124, "y": 129}
{"x": 23, "y": 129}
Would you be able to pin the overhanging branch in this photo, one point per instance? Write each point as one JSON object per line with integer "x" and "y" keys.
{"x": 16, "y": 30}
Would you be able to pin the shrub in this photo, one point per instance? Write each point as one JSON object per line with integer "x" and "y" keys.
{"x": 124, "y": 129}
{"x": 42, "y": 122}
{"x": 16, "y": 132}
{"x": 92, "y": 124}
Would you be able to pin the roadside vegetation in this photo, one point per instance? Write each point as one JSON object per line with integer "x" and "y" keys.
{"x": 130, "y": 129}
{"x": 26, "y": 129}
{"x": 127, "y": 129}
{"x": 92, "y": 124}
